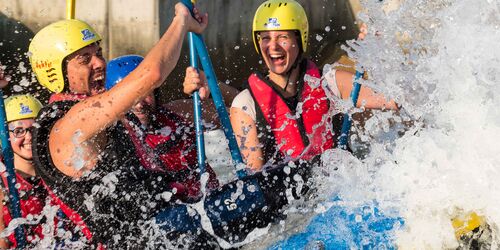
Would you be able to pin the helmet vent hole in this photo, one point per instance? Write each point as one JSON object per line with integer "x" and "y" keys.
{"x": 280, "y": 4}
{"x": 285, "y": 4}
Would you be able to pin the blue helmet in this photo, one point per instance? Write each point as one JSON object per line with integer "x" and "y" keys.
{"x": 119, "y": 68}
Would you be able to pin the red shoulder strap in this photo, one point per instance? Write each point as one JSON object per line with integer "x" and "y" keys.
{"x": 315, "y": 113}
{"x": 70, "y": 213}
{"x": 145, "y": 154}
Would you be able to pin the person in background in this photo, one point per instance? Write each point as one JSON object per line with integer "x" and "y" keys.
{"x": 21, "y": 111}
{"x": 164, "y": 140}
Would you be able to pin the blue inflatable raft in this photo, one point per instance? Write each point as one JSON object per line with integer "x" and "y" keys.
{"x": 342, "y": 227}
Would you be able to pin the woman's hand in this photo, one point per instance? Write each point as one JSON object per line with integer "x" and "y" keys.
{"x": 196, "y": 81}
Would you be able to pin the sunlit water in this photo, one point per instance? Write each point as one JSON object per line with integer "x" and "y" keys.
{"x": 440, "y": 60}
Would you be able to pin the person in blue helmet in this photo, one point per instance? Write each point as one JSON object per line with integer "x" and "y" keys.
{"x": 163, "y": 139}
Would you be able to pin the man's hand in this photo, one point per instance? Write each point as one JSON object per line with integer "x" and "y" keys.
{"x": 196, "y": 24}
{"x": 4, "y": 80}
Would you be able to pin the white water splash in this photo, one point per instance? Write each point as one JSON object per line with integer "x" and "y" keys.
{"x": 440, "y": 60}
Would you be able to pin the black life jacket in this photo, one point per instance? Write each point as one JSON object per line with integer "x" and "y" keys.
{"x": 107, "y": 201}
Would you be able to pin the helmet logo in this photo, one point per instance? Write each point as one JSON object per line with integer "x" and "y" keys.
{"x": 272, "y": 23}
{"x": 43, "y": 64}
{"x": 25, "y": 109}
{"x": 87, "y": 35}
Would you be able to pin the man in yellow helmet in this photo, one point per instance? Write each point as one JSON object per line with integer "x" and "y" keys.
{"x": 21, "y": 111}
{"x": 285, "y": 113}
{"x": 81, "y": 154}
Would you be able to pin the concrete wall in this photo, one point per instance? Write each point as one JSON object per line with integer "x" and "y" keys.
{"x": 133, "y": 26}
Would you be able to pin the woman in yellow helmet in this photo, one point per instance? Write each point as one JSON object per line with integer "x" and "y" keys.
{"x": 285, "y": 114}
{"x": 21, "y": 111}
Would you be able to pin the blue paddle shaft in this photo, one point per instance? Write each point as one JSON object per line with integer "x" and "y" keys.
{"x": 219, "y": 103}
{"x": 198, "y": 122}
{"x": 11, "y": 174}
{"x": 206, "y": 63}
{"x": 347, "y": 122}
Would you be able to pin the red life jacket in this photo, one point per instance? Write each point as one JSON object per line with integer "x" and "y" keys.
{"x": 32, "y": 200}
{"x": 172, "y": 148}
{"x": 305, "y": 131}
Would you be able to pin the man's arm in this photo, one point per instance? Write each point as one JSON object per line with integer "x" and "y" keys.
{"x": 74, "y": 136}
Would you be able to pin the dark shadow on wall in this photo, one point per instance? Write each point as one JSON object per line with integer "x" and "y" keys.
{"x": 14, "y": 43}
{"x": 228, "y": 38}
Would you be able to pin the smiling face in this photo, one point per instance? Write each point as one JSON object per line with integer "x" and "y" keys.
{"x": 21, "y": 144}
{"x": 85, "y": 70}
{"x": 279, "y": 50}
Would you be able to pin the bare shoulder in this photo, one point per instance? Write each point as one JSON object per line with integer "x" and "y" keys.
{"x": 344, "y": 82}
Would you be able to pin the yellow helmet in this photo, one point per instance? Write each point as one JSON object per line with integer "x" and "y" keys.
{"x": 53, "y": 44}
{"x": 280, "y": 15}
{"x": 20, "y": 107}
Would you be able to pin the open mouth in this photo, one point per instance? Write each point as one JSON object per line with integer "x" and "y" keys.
{"x": 98, "y": 83}
{"x": 277, "y": 58}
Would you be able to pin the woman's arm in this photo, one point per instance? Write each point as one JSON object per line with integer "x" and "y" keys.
{"x": 367, "y": 97}
{"x": 245, "y": 131}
